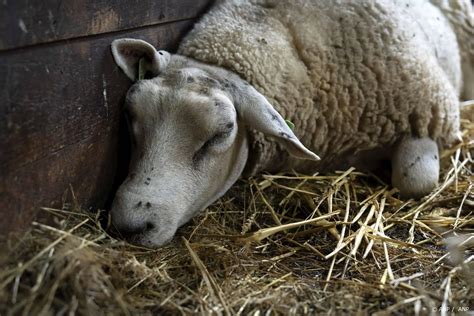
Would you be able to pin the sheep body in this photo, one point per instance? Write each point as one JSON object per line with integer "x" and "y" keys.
{"x": 354, "y": 76}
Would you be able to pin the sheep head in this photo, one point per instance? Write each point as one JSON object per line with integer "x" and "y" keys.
{"x": 189, "y": 127}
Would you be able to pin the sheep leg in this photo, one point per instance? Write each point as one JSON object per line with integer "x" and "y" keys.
{"x": 415, "y": 167}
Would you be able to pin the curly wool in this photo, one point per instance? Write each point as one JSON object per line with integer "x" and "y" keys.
{"x": 354, "y": 77}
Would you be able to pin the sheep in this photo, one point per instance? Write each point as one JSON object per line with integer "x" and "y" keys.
{"x": 362, "y": 81}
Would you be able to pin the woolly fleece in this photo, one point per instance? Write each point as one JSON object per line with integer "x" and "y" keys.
{"x": 355, "y": 77}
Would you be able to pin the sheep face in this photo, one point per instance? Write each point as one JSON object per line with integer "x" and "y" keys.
{"x": 189, "y": 128}
{"x": 188, "y": 150}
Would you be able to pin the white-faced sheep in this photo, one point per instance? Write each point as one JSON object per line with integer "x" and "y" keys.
{"x": 362, "y": 81}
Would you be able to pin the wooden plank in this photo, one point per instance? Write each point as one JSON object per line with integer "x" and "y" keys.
{"x": 59, "y": 120}
{"x": 29, "y": 22}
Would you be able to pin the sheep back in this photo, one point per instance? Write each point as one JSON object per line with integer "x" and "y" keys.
{"x": 353, "y": 76}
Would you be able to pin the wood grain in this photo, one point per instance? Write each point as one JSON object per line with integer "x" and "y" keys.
{"x": 59, "y": 120}
{"x": 29, "y": 22}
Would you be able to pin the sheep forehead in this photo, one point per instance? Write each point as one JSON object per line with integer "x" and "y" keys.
{"x": 175, "y": 85}
{"x": 197, "y": 103}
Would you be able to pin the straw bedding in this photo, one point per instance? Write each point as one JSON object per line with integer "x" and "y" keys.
{"x": 277, "y": 244}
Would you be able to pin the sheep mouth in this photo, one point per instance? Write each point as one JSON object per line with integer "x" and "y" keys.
{"x": 150, "y": 242}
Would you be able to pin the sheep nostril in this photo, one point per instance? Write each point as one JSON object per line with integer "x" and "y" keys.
{"x": 149, "y": 226}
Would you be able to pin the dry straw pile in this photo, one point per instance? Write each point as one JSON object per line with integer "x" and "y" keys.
{"x": 280, "y": 244}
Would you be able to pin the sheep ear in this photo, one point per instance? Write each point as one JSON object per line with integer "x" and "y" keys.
{"x": 128, "y": 51}
{"x": 257, "y": 113}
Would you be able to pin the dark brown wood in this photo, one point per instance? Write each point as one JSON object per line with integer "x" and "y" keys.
{"x": 59, "y": 120}
{"x": 28, "y": 22}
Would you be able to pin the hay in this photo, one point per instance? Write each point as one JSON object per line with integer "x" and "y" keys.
{"x": 277, "y": 244}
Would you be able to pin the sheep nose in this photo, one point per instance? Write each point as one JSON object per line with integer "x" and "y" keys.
{"x": 130, "y": 222}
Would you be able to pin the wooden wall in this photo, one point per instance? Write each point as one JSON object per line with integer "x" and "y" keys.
{"x": 61, "y": 95}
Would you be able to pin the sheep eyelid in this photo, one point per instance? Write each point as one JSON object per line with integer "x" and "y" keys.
{"x": 217, "y": 138}
{"x": 214, "y": 140}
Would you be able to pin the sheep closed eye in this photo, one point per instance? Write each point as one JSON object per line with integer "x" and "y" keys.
{"x": 216, "y": 139}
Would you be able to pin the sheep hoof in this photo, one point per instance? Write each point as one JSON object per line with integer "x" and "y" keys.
{"x": 415, "y": 167}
